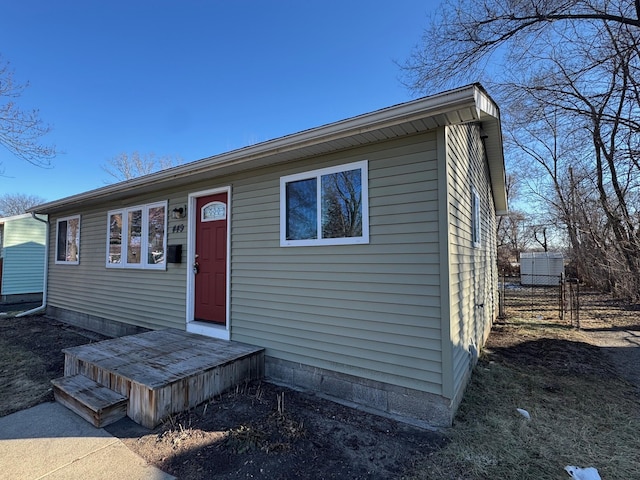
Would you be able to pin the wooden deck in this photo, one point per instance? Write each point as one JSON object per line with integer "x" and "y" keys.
{"x": 165, "y": 371}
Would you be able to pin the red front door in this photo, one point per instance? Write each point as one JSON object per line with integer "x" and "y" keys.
{"x": 211, "y": 259}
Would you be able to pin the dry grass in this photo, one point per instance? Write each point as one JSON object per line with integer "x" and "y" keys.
{"x": 30, "y": 356}
{"x": 572, "y": 423}
{"x": 20, "y": 378}
{"x": 582, "y": 412}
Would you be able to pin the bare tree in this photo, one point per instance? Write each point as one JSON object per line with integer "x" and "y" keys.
{"x": 21, "y": 131}
{"x": 125, "y": 166}
{"x": 512, "y": 232}
{"x": 566, "y": 74}
{"x": 18, "y": 203}
{"x": 512, "y": 239}
{"x": 464, "y": 37}
{"x": 596, "y": 99}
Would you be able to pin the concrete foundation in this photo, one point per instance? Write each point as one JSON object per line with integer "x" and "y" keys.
{"x": 110, "y": 328}
{"x": 22, "y": 298}
{"x": 412, "y": 406}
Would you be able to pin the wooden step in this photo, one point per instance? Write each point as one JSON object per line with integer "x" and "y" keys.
{"x": 95, "y": 403}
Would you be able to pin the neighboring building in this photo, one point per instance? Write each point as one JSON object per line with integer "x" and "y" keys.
{"x": 22, "y": 253}
{"x": 541, "y": 268}
{"x": 360, "y": 254}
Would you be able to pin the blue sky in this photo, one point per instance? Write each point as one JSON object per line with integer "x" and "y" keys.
{"x": 194, "y": 78}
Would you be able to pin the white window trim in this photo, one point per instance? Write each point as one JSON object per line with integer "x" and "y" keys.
{"x": 476, "y": 224}
{"x": 66, "y": 219}
{"x": 364, "y": 179}
{"x": 144, "y": 234}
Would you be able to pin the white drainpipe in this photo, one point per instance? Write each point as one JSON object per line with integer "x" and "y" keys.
{"x": 42, "y": 307}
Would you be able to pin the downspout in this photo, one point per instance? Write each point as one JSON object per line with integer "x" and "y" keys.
{"x": 42, "y": 307}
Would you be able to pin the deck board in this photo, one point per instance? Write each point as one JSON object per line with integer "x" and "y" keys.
{"x": 97, "y": 404}
{"x": 165, "y": 371}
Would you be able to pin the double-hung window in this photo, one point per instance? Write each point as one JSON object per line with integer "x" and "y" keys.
{"x": 329, "y": 206}
{"x": 137, "y": 236}
{"x": 68, "y": 240}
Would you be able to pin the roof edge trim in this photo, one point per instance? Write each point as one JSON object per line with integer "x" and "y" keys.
{"x": 473, "y": 96}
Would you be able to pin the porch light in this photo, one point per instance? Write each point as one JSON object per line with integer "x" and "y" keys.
{"x": 179, "y": 212}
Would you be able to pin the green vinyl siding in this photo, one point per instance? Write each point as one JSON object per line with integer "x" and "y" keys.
{"x": 367, "y": 310}
{"x": 370, "y": 310}
{"x": 472, "y": 271}
{"x": 146, "y": 298}
{"x": 23, "y": 253}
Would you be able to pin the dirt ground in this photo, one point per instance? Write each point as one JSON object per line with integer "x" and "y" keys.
{"x": 31, "y": 356}
{"x": 266, "y": 431}
{"x": 607, "y": 325}
{"x": 261, "y": 430}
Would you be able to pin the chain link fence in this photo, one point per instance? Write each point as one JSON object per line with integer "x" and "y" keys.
{"x": 543, "y": 296}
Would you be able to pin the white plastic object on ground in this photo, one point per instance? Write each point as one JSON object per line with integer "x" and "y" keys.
{"x": 589, "y": 473}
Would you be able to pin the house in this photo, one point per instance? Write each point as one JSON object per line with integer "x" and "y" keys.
{"x": 360, "y": 254}
{"x": 22, "y": 255}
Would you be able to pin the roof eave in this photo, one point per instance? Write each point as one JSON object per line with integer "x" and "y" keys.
{"x": 495, "y": 159}
{"x": 461, "y": 105}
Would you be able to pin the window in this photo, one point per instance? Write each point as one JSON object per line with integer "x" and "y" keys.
{"x": 114, "y": 248}
{"x": 68, "y": 240}
{"x": 213, "y": 211}
{"x": 134, "y": 236}
{"x": 156, "y": 234}
{"x": 325, "y": 207}
{"x": 475, "y": 219}
{"x": 145, "y": 236}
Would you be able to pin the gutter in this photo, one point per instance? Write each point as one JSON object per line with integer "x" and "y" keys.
{"x": 42, "y": 307}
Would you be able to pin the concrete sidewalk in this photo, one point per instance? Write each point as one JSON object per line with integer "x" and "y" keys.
{"x": 50, "y": 442}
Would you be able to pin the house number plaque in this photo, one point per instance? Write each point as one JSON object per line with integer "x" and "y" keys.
{"x": 213, "y": 211}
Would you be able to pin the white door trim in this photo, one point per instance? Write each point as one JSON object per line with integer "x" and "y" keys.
{"x": 205, "y": 328}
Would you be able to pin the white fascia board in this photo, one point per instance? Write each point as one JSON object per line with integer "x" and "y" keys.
{"x": 14, "y": 217}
